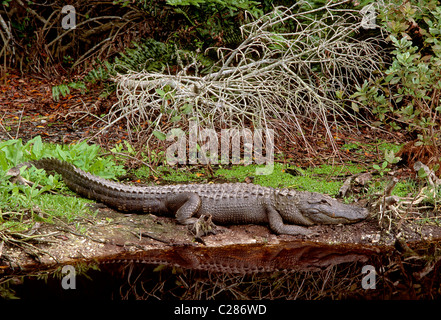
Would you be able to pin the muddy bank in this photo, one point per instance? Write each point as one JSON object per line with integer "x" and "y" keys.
{"x": 111, "y": 233}
{"x": 246, "y": 261}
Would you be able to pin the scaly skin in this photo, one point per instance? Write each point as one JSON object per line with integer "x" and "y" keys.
{"x": 282, "y": 210}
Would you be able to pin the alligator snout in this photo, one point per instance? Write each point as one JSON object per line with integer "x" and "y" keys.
{"x": 326, "y": 210}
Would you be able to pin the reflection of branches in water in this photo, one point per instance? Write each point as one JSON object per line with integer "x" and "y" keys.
{"x": 274, "y": 77}
{"x": 174, "y": 283}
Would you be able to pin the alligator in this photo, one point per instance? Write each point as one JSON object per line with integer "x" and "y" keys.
{"x": 285, "y": 211}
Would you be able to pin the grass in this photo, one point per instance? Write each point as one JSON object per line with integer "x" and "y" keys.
{"x": 403, "y": 188}
{"x": 318, "y": 179}
{"x": 61, "y": 206}
{"x": 50, "y": 207}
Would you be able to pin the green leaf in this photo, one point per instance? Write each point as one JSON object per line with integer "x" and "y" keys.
{"x": 159, "y": 268}
{"x": 339, "y": 94}
{"x": 187, "y": 108}
{"x": 55, "y": 93}
{"x": 175, "y": 119}
{"x": 37, "y": 147}
{"x": 355, "y": 107}
{"x": 3, "y": 163}
{"x": 422, "y": 173}
{"x": 389, "y": 155}
{"x": 160, "y": 92}
{"x": 158, "y": 134}
{"x": 176, "y": 132}
{"x": 61, "y": 153}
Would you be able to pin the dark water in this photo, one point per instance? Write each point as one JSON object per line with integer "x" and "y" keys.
{"x": 294, "y": 270}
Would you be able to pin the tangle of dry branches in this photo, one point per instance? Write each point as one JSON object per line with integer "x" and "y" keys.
{"x": 276, "y": 78}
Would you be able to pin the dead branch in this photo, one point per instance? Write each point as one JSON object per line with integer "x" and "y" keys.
{"x": 29, "y": 9}
{"x": 280, "y": 87}
{"x": 402, "y": 208}
{"x": 79, "y": 25}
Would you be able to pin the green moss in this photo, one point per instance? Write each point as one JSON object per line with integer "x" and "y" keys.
{"x": 312, "y": 179}
{"x": 405, "y": 188}
{"x": 172, "y": 174}
{"x": 319, "y": 179}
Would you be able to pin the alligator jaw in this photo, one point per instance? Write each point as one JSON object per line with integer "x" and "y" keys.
{"x": 321, "y": 209}
{"x": 336, "y": 217}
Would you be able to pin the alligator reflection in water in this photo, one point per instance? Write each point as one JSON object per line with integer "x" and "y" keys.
{"x": 291, "y": 270}
{"x": 300, "y": 256}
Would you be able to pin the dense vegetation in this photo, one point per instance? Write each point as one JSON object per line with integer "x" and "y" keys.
{"x": 117, "y": 36}
{"x": 314, "y": 71}
{"x": 400, "y": 92}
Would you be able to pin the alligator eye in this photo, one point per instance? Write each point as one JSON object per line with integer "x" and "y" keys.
{"x": 321, "y": 201}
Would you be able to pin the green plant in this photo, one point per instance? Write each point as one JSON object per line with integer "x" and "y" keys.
{"x": 102, "y": 72}
{"x": 213, "y": 22}
{"x": 150, "y": 55}
{"x": 20, "y": 201}
{"x": 233, "y": 5}
{"x": 311, "y": 179}
{"x": 389, "y": 158}
{"x": 84, "y": 156}
{"x": 64, "y": 89}
{"x": 407, "y": 93}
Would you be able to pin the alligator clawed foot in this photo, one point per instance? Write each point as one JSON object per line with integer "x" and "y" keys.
{"x": 203, "y": 226}
{"x": 312, "y": 234}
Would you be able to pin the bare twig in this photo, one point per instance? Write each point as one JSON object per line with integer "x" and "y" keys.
{"x": 29, "y": 9}
{"x": 79, "y": 25}
{"x": 4, "y": 129}
{"x": 404, "y": 208}
{"x": 277, "y": 90}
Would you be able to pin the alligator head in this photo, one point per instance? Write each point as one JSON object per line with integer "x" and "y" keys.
{"x": 322, "y": 209}
{"x": 309, "y": 208}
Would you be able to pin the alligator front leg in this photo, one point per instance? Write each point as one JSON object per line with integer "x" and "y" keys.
{"x": 277, "y": 225}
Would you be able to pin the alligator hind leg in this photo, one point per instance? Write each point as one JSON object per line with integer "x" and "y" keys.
{"x": 276, "y": 224}
{"x": 186, "y": 205}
